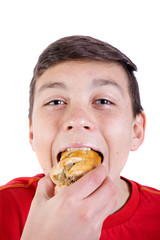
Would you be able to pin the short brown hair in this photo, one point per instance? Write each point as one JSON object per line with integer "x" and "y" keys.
{"x": 85, "y": 48}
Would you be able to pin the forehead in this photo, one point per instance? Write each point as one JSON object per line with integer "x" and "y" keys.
{"x": 85, "y": 73}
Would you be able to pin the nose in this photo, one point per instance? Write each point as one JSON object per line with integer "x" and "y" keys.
{"x": 73, "y": 125}
{"x": 78, "y": 119}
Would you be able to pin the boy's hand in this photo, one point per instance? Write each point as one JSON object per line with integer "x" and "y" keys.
{"x": 76, "y": 212}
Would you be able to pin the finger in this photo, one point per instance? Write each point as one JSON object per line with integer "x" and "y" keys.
{"x": 57, "y": 190}
{"x": 45, "y": 188}
{"x": 88, "y": 183}
{"x": 107, "y": 210}
{"x": 101, "y": 203}
{"x": 102, "y": 196}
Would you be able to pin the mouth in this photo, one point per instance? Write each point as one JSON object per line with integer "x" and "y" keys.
{"x": 75, "y": 149}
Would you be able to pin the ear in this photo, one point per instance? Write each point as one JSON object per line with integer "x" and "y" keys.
{"x": 31, "y": 134}
{"x": 138, "y": 134}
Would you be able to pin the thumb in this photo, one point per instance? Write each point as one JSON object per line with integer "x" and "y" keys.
{"x": 45, "y": 189}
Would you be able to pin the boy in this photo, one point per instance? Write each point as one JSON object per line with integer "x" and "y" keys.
{"x": 83, "y": 94}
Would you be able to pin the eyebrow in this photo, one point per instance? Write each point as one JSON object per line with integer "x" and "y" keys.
{"x": 104, "y": 82}
{"x": 60, "y": 85}
{"x": 95, "y": 84}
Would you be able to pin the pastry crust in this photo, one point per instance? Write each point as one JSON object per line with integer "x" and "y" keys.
{"x": 73, "y": 165}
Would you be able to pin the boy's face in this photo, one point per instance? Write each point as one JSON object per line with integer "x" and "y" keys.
{"x": 85, "y": 104}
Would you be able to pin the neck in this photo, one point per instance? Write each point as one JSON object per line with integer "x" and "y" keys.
{"x": 123, "y": 193}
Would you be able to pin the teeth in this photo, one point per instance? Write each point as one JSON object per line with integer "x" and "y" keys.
{"x": 75, "y": 149}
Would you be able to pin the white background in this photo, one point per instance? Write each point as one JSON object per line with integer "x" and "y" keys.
{"x": 27, "y": 27}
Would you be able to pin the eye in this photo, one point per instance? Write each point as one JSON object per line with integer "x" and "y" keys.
{"x": 103, "y": 101}
{"x": 55, "y": 102}
{"x": 103, "y": 104}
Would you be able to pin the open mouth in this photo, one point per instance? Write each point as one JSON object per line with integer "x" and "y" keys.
{"x": 75, "y": 149}
{"x": 73, "y": 163}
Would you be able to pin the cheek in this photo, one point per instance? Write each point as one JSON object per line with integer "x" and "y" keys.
{"x": 43, "y": 137}
{"x": 45, "y": 129}
{"x": 117, "y": 126}
{"x": 117, "y": 133}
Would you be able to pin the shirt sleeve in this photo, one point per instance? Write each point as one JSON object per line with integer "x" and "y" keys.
{"x": 10, "y": 224}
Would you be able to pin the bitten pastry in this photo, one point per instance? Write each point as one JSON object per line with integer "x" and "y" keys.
{"x": 73, "y": 165}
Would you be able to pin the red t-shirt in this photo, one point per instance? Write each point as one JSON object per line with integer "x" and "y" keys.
{"x": 138, "y": 219}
